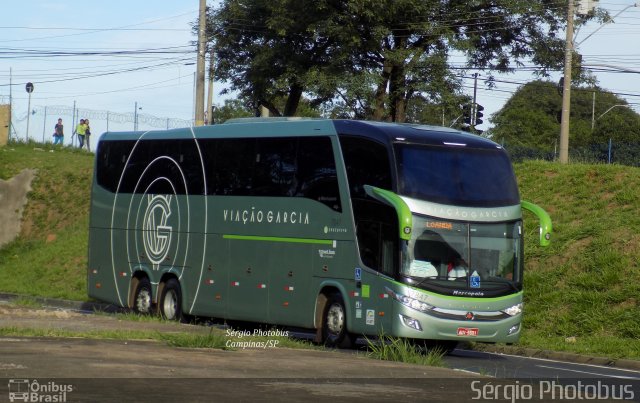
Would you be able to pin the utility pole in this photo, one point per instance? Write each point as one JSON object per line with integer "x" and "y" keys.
{"x": 474, "y": 104}
{"x": 593, "y": 111}
{"x": 566, "y": 90}
{"x": 210, "y": 93}
{"x": 202, "y": 23}
{"x": 475, "y": 87}
{"x": 135, "y": 117}
{"x": 29, "y": 88}
{"x": 73, "y": 123}
{"x": 10, "y": 101}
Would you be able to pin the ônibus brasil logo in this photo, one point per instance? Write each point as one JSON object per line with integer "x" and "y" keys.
{"x": 156, "y": 233}
{"x": 25, "y": 390}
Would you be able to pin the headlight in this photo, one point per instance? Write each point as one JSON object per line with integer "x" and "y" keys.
{"x": 514, "y": 310}
{"x": 411, "y": 322}
{"x": 410, "y": 302}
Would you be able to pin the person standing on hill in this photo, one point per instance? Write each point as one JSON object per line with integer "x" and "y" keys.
{"x": 58, "y": 133}
{"x": 87, "y": 133}
{"x": 80, "y": 131}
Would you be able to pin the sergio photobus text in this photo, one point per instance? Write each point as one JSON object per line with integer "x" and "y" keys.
{"x": 263, "y": 344}
{"x": 551, "y": 390}
{"x": 257, "y": 333}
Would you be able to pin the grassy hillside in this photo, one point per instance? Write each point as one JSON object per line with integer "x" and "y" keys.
{"x": 50, "y": 255}
{"x": 581, "y": 293}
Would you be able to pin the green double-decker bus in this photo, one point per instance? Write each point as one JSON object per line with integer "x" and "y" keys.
{"x": 346, "y": 227}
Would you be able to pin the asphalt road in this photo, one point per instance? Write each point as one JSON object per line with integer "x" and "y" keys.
{"x": 121, "y": 371}
{"x": 513, "y": 366}
{"x": 107, "y": 370}
{"x": 104, "y": 370}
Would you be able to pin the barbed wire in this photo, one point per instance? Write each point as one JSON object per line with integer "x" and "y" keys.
{"x": 109, "y": 116}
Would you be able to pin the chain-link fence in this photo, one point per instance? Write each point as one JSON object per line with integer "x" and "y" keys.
{"x": 622, "y": 153}
{"x": 39, "y": 124}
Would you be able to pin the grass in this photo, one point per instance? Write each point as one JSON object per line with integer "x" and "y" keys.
{"x": 582, "y": 293}
{"x": 27, "y": 302}
{"x": 390, "y": 348}
{"x": 214, "y": 339}
{"x": 13, "y": 331}
{"x": 50, "y": 255}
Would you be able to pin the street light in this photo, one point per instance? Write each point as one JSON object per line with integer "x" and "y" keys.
{"x": 607, "y": 111}
{"x": 566, "y": 93}
{"x": 29, "y": 88}
{"x": 608, "y": 22}
{"x": 593, "y": 121}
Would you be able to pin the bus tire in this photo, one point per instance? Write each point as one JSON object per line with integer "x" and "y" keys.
{"x": 334, "y": 323}
{"x": 170, "y": 304}
{"x": 143, "y": 297}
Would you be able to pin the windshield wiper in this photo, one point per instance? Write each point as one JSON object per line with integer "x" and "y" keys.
{"x": 500, "y": 280}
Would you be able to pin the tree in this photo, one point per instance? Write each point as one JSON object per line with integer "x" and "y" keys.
{"x": 232, "y": 108}
{"x": 531, "y": 118}
{"x": 369, "y": 59}
{"x": 266, "y": 50}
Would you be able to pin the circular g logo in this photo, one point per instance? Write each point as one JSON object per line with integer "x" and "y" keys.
{"x": 156, "y": 232}
{"x": 159, "y": 217}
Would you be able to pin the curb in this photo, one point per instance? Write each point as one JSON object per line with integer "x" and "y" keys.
{"x": 54, "y": 303}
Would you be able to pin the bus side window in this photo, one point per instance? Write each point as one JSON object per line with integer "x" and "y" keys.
{"x": 111, "y": 159}
{"x": 367, "y": 163}
{"x": 316, "y": 176}
{"x": 275, "y": 167}
{"x": 234, "y": 166}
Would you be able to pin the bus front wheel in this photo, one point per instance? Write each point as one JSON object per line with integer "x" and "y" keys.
{"x": 142, "y": 298}
{"x": 171, "y": 300}
{"x": 334, "y": 323}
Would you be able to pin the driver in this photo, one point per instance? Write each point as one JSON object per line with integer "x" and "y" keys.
{"x": 458, "y": 268}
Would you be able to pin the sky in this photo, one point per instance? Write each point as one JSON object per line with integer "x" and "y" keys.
{"x": 113, "y": 56}
{"x": 613, "y": 47}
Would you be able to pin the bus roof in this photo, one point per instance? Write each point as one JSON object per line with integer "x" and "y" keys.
{"x": 412, "y": 133}
{"x": 293, "y": 126}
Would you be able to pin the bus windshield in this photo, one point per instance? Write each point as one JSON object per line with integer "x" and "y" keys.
{"x": 456, "y": 175}
{"x": 465, "y": 259}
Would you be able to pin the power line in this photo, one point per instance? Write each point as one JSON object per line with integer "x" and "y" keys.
{"x": 97, "y": 30}
{"x": 96, "y": 75}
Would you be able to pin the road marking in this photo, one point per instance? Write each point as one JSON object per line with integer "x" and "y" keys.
{"x": 566, "y": 362}
{"x": 589, "y": 373}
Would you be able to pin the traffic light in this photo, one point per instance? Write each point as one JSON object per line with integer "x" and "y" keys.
{"x": 479, "y": 115}
{"x": 466, "y": 114}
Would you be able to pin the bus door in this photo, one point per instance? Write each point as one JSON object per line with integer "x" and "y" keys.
{"x": 376, "y": 226}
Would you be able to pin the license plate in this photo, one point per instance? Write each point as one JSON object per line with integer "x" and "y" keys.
{"x": 468, "y": 331}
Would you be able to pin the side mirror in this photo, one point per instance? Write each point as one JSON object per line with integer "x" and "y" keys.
{"x": 545, "y": 221}
{"x": 405, "y": 220}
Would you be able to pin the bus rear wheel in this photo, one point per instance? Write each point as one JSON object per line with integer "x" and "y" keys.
{"x": 334, "y": 323}
{"x": 170, "y": 303}
{"x": 142, "y": 299}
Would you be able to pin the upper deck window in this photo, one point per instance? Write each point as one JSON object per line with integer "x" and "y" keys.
{"x": 367, "y": 163}
{"x": 456, "y": 175}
